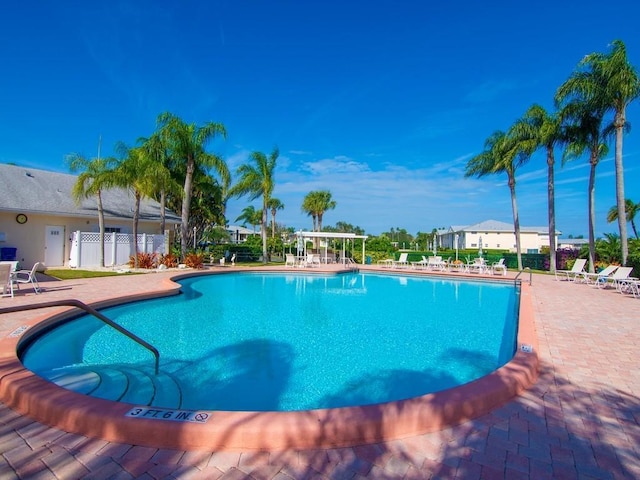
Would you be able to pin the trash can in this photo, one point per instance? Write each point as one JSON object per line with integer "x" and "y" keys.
{"x": 368, "y": 260}
{"x": 8, "y": 254}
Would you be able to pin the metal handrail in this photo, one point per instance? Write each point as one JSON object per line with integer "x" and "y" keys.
{"x": 522, "y": 271}
{"x": 95, "y": 313}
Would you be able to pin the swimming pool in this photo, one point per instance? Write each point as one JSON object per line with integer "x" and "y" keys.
{"x": 286, "y": 342}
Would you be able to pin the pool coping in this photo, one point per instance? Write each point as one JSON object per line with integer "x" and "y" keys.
{"x": 47, "y": 403}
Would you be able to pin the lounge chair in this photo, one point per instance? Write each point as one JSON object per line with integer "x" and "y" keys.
{"x": 290, "y": 260}
{"x": 477, "y": 266}
{"x": 6, "y": 280}
{"x": 435, "y": 263}
{"x": 28, "y": 276}
{"x": 618, "y": 279}
{"x": 601, "y": 276}
{"x": 420, "y": 264}
{"x": 499, "y": 267}
{"x": 402, "y": 261}
{"x": 575, "y": 272}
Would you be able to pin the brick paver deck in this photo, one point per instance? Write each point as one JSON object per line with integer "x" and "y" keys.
{"x": 579, "y": 421}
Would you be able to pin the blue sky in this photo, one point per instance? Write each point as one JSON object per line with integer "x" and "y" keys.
{"x": 380, "y": 102}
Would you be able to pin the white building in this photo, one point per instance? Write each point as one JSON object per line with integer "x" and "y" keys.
{"x": 495, "y": 235}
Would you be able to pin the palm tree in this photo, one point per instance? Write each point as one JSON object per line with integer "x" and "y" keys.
{"x": 141, "y": 174}
{"x": 582, "y": 113}
{"x": 251, "y": 216}
{"x": 274, "y": 205}
{"x": 257, "y": 179}
{"x": 547, "y": 132}
{"x": 317, "y": 203}
{"x": 186, "y": 144}
{"x": 96, "y": 175}
{"x": 503, "y": 153}
{"x": 617, "y": 85}
{"x": 155, "y": 150}
{"x": 630, "y": 209}
{"x": 309, "y": 208}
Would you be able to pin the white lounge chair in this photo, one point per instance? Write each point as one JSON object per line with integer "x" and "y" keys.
{"x": 420, "y": 264}
{"x": 618, "y": 279}
{"x": 290, "y": 260}
{"x": 601, "y": 276}
{"x": 575, "y": 272}
{"x": 435, "y": 263}
{"x": 28, "y": 276}
{"x": 499, "y": 267}
{"x": 6, "y": 280}
{"x": 477, "y": 266}
{"x": 402, "y": 261}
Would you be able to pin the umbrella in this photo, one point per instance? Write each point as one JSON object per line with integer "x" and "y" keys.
{"x": 480, "y": 249}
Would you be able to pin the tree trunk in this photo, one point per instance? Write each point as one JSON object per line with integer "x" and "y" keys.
{"x": 592, "y": 213}
{"x": 101, "y": 227}
{"x": 186, "y": 205}
{"x": 263, "y": 232}
{"x": 552, "y": 209}
{"x": 163, "y": 208}
{"x": 516, "y": 220}
{"x": 620, "y": 200}
{"x": 136, "y": 215}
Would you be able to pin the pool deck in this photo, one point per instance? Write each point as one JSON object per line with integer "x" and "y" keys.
{"x": 580, "y": 420}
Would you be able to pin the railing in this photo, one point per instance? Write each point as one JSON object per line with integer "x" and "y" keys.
{"x": 95, "y": 313}
{"x": 522, "y": 271}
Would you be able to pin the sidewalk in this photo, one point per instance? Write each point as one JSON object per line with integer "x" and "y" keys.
{"x": 579, "y": 421}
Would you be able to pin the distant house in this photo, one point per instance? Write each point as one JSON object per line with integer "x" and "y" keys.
{"x": 38, "y": 215}
{"x": 572, "y": 243}
{"x": 495, "y": 235}
{"x": 238, "y": 234}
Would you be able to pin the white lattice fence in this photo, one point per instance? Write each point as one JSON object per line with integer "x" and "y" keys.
{"x": 118, "y": 248}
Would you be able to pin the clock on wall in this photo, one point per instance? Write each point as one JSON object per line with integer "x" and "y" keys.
{"x": 21, "y": 218}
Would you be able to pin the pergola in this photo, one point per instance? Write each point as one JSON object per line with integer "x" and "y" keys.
{"x": 304, "y": 236}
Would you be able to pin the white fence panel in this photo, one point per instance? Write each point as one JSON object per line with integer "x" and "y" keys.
{"x": 118, "y": 248}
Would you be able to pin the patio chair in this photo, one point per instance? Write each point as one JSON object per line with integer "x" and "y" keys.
{"x": 28, "y": 276}
{"x": 618, "y": 279}
{"x": 499, "y": 267}
{"x": 402, "y": 261}
{"x": 6, "y": 280}
{"x": 290, "y": 260}
{"x": 477, "y": 266}
{"x": 420, "y": 264}
{"x": 575, "y": 272}
{"x": 601, "y": 276}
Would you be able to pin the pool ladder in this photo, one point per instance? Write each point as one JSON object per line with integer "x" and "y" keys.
{"x": 521, "y": 272}
{"x": 95, "y": 313}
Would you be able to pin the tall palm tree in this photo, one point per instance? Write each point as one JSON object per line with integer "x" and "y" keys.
{"x": 582, "y": 113}
{"x": 187, "y": 144}
{"x": 156, "y": 151}
{"x": 275, "y": 205}
{"x": 308, "y": 207}
{"x": 503, "y": 153}
{"x": 250, "y": 215}
{"x": 617, "y": 85}
{"x": 317, "y": 203}
{"x": 257, "y": 179}
{"x": 631, "y": 209}
{"x": 96, "y": 175}
{"x": 546, "y": 132}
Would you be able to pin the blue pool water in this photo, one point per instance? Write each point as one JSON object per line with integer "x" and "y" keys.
{"x": 293, "y": 341}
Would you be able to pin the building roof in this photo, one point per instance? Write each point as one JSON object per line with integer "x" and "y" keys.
{"x": 496, "y": 226}
{"x": 29, "y": 190}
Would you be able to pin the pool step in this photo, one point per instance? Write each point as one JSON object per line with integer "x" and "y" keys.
{"x": 121, "y": 383}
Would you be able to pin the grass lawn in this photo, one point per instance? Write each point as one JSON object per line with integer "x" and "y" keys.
{"x": 70, "y": 274}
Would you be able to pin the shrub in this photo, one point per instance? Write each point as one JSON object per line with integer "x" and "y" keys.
{"x": 169, "y": 260}
{"x": 194, "y": 260}
{"x": 145, "y": 260}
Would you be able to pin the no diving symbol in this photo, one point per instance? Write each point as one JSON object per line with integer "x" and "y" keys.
{"x": 201, "y": 417}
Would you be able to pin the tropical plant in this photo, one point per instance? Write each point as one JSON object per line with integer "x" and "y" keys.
{"x": 194, "y": 260}
{"x": 274, "y": 205}
{"x": 503, "y": 153}
{"x": 546, "y": 131}
{"x": 186, "y": 143}
{"x": 257, "y": 179}
{"x": 631, "y": 209}
{"x": 616, "y": 85}
{"x": 250, "y": 215}
{"x": 316, "y": 204}
{"x": 95, "y": 176}
{"x": 582, "y": 115}
{"x": 143, "y": 260}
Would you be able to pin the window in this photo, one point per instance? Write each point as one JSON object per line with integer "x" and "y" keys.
{"x": 111, "y": 229}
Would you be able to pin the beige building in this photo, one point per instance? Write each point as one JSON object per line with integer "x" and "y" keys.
{"x": 495, "y": 235}
{"x": 38, "y": 215}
